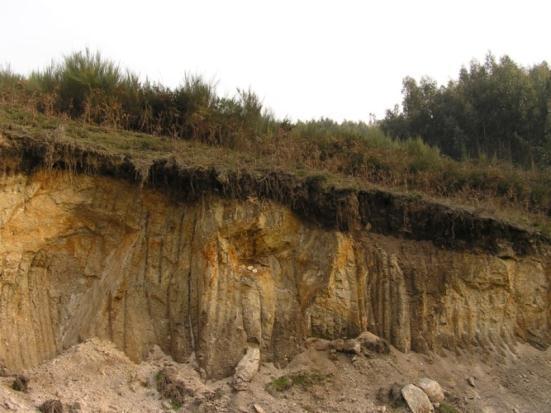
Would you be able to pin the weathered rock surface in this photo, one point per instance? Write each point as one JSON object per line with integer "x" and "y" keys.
{"x": 416, "y": 399}
{"x": 372, "y": 343}
{"x": 432, "y": 389}
{"x": 246, "y": 368}
{"x": 84, "y": 256}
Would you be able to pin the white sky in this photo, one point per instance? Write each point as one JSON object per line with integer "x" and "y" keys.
{"x": 306, "y": 59}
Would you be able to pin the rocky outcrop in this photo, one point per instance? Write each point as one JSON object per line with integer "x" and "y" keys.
{"x": 84, "y": 256}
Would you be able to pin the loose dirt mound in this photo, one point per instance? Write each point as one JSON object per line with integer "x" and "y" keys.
{"x": 97, "y": 377}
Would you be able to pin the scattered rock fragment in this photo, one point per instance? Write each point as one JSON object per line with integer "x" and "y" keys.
{"x": 342, "y": 345}
{"x": 20, "y": 383}
{"x": 246, "y": 369}
{"x": 378, "y": 409}
{"x": 373, "y": 343}
{"x": 471, "y": 381}
{"x": 258, "y": 408}
{"x": 347, "y": 346}
{"x": 51, "y": 406}
{"x": 416, "y": 399}
{"x": 392, "y": 395}
{"x": 4, "y": 372}
{"x": 74, "y": 407}
{"x": 318, "y": 344}
{"x": 432, "y": 389}
{"x": 12, "y": 406}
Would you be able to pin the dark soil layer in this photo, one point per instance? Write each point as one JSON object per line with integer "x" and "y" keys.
{"x": 311, "y": 197}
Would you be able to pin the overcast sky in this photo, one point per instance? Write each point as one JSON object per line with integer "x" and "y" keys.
{"x": 306, "y": 59}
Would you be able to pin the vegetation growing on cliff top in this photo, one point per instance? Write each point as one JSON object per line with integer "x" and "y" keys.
{"x": 96, "y": 102}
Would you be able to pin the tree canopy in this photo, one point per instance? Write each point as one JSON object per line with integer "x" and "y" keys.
{"x": 496, "y": 109}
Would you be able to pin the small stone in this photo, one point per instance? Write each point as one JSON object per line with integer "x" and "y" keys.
{"x": 394, "y": 394}
{"x": 4, "y": 372}
{"x": 202, "y": 373}
{"x": 347, "y": 346}
{"x": 250, "y": 267}
{"x": 74, "y": 407}
{"x": 318, "y": 344}
{"x": 372, "y": 343}
{"x": 471, "y": 381}
{"x": 416, "y": 399}
{"x": 258, "y": 408}
{"x": 432, "y": 389}
{"x": 10, "y": 405}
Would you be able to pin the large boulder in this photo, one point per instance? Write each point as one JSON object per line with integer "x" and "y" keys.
{"x": 416, "y": 399}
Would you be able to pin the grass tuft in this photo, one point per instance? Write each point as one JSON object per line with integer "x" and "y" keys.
{"x": 302, "y": 379}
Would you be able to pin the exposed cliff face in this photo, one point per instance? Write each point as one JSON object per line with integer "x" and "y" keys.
{"x": 85, "y": 256}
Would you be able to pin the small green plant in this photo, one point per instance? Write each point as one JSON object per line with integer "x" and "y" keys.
{"x": 303, "y": 379}
{"x": 447, "y": 408}
{"x": 160, "y": 377}
{"x": 281, "y": 384}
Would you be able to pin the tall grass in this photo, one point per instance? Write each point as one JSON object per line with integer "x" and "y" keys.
{"x": 88, "y": 87}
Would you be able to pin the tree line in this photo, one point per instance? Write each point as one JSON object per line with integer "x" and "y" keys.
{"x": 495, "y": 109}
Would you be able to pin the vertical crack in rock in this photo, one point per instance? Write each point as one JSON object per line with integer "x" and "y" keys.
{"x": 191, "y": 307}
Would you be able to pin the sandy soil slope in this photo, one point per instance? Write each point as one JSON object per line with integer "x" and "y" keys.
{"x": 96, "y": 377}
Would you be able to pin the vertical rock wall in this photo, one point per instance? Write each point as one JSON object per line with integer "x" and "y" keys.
{"x": 88, "y": 256}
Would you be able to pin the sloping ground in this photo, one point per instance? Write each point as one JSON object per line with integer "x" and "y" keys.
{"x": 96, "y": 377}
